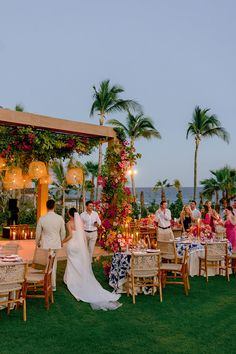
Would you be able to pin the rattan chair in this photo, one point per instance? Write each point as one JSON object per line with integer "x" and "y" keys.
{"x": 232, "y": 262}
{"x": 168, "y": 250}
{"x": 215, "y": 256}
{"x": 40, "y": 260}
{"x": 13, "y": 285}
{"x": 39, "y": 285}
{"x": 177, "y": 273}
{"x": 144, "y": 272}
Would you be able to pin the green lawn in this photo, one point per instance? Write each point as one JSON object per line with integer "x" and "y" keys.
{"x": 204, "y": 322}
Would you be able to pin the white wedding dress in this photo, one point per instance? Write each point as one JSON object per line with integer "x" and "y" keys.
{"x": 79, "y": 276}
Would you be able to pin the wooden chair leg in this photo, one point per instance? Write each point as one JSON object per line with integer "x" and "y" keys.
{"x": 160, "y": 290}
{"x": 206, "y": 271}
{"x": 133, "y": 290}
{"x": 200, "y": 267}
{"x": 24, "y": 309}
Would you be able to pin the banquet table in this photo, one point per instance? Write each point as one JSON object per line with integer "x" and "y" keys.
{"x": 121, "y": 263}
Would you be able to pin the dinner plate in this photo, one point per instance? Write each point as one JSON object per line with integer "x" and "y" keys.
{"x": 150, "y": 250}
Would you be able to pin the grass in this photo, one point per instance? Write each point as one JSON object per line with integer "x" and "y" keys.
{"x": 203, "y": 322}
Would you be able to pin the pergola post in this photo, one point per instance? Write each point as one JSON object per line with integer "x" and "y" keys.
{"x": 42, "y": 199}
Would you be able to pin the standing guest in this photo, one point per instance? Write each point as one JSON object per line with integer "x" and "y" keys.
{"x": 234, "y": 207}
{"x": 186, "y": 217}
{"x": 195, "y": 212}
{"x": 91, "y": 222}
{"x": 230, "y": 226}
{"x": 163, "y": 218}
{"x": 206, "y": 216}
{"x": 213, "y": 214}
{"x": 50, "y": 232}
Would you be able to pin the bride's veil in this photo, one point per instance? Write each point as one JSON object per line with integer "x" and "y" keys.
{"x": 82, "y": 242}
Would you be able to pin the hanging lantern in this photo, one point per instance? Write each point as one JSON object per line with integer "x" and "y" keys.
{"x": 37, "y": 169}
{"x": 27, "y": 181}
{"x": 13, "y": 173}
{"x": 13, "y": 180}
{"x": 3, "y": 163}
{"x": 74, "y": 176}
{"x": 45, "y": 179}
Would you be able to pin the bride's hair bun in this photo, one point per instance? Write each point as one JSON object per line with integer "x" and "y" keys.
{"x": 72, "y": 211}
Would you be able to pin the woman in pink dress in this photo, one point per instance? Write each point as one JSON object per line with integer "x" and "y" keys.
{"x": 230, "y": 225}
{"x": 206, "y": 216}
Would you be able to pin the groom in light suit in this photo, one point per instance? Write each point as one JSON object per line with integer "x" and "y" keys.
{"x": 50, "y": 232}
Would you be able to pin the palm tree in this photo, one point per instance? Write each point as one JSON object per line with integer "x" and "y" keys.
{"x": 226, "y": 181}
{"x": 177, "y": 185}
{"x": 92, "y": 169}
{"x": 60, "y": 184}
{"x": 137, "y": 126}
{"x": 161, "y": 186}
{"x": 204, "y": 125}
{"x": 210, "y": 187}
{"x": 107, "y": 100}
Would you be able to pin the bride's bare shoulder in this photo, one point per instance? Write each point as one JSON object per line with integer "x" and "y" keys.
{"x": 70, "y": 225}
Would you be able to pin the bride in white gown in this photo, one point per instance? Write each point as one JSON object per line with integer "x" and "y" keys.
{"x": 79, "y": 276}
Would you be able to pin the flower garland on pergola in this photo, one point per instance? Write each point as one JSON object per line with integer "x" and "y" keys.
{"x": 20, "y": 145}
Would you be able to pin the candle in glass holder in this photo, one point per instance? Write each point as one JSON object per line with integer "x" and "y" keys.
{"x": 137, "y": 237}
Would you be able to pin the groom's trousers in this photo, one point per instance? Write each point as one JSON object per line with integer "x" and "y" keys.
{"x": 91, "y": 239}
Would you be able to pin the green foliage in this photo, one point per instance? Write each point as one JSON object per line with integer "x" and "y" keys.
{"x": 4, "y": 216}
{"x": 135, "y": 211}
{"x": 153, "y": 207}
{"x": 144, "y": 212}
{"x": 176, "y": 207}
{"x": 27, "y": 216}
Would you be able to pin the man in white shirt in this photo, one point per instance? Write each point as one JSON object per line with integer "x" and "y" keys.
{"x": 91, "y": 222}
{"x": 196, "y": 213}
{"x": 50, "y": 232}
{"x": 163, "y": 218}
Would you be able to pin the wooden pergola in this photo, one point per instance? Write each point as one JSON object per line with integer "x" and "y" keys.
{"x": 64, "y": 126}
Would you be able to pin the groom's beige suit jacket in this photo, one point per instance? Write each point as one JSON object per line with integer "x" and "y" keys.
{"x": 50, "y": 231}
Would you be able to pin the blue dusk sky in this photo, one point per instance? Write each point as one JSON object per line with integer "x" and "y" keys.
{"x": 170, "y": 55}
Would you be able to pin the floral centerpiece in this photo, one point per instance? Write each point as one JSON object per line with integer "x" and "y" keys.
{"x": 202, "y": 232}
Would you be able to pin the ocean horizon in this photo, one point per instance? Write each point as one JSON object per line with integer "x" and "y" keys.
{"x": 171, "y": 192}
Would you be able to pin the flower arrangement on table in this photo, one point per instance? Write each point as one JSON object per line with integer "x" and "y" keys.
{"x": 117, "y": 242}
{"x": 201, "y": 232}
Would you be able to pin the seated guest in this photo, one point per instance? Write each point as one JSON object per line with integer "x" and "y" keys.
{"x": 162, "y": 219}
{"x": 195, "y": 212}
{"x": 206, "y": 216}
{"x": 186, "y": 217}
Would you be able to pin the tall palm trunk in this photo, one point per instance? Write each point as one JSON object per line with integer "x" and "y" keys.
{"x": 99, "y": 157}
{"x": 197, "y": 141}
{"x": 163, "y": 195}
{"x": 217, "y": 201}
